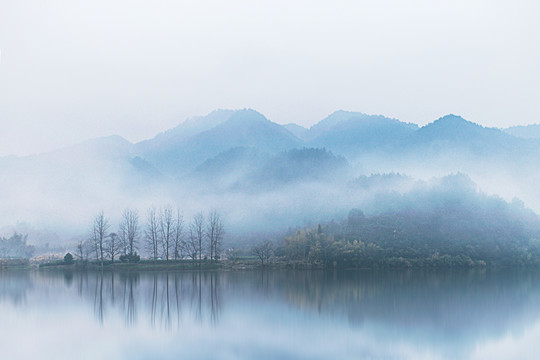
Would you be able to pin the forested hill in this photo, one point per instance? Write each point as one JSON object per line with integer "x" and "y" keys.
{"x": 449, "y": 224}
{"x": 248, "y": 169}
{"x": 264, "y": 175}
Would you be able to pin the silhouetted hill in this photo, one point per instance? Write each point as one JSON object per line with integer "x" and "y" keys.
{"x": 525, "y": 131}
{"x": 452, "y": 143}
{"x": 307, "y": 164}
{"x": 233, "y": 160}
{"x": 244, "y": 128}
{"x": 247, "y": 169}
{"x": 453, "y": 131}
{"x": 227, "y": 169}
{"x": 261, "y": 173}
{"x": 358, "y": 133}
{"x": 167, "y": 140}
{"x": 331, "y": 120}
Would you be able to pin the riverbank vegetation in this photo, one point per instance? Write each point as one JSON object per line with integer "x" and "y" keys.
{"x": 162, "y": 236}
{"x": 447, "y": 225}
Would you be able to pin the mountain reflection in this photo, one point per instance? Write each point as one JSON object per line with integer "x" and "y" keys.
{"x": 449, "y": 310}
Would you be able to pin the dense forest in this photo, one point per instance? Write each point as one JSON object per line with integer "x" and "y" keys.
{"x": 451, "y": 224}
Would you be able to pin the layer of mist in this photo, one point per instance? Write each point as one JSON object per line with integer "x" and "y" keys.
{"x": 265, "y": 178}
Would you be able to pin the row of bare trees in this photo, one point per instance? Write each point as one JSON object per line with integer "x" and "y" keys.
{"x": 163, "y": 236}
{"x": 111, "y": 245}
{"x": 204, "y": 238}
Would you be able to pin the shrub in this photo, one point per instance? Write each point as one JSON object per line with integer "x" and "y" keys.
{"x": 68, "y": 259}
{"x": 130, "y": 258}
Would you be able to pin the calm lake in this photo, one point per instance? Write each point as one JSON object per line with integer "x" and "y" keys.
{"x": 400, "y": 314}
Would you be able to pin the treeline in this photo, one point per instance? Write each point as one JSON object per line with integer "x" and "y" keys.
{"x": 15, "y": 247}
{"x": 481, "y": 231}
{"x": 161, "y": 235}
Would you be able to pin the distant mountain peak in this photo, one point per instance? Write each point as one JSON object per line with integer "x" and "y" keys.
{"x": 346, "y": 119}
{"x": 246, "y": 117}
{"x": 188, "y": 128}
{"x": 453, "y": 130}
{"x": 333, "y": 119}
{"x": 451, "y": 124}
{"x": 453, "y": 120}
{"x": 355, "y": 132}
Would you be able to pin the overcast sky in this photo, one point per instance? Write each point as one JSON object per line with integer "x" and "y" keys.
{"x": 72, "y": 70}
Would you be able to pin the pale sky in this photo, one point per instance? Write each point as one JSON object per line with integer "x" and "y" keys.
{"x": 72, "y": 70}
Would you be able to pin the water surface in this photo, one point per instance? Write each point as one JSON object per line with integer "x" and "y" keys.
{"x": 270, "y": 314}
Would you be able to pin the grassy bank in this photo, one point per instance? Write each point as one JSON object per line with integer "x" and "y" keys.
{"x": 251, "y": 262}
{"x": 140, "y": 265}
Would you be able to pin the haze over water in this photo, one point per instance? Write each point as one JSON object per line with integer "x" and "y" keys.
{"x": 476, "y": 314}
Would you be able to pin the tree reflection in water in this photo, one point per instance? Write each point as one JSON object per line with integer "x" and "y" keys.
{"x": 448, "y": 309}
{"x": 129, "y": 282}
{"x": 160, "y": 295}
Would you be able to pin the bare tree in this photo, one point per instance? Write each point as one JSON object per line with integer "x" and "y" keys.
{"x": 113, "y": 246}
{"x": 99, "y": 233}
{"x": 197, "y": 229}
{"x": 129, "y": 232}
{"x": 264, "y": 251}
{"x": 192, "y": 247}
{"x": 94, "y": 246}
{"x": 152, "y": 233}
{"x": 214, "y": 233}
{"x": 166, "y": 229}
{"x": 82, "y": 250}
{"x": 178, "y": 241}
{"x": 123, "y": 236}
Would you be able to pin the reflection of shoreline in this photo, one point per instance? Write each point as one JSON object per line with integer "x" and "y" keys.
{"x": 451, "y": 302}
{"x": 14, "y": 286}
{"x": 446, "y": 308}
{"x": 158, "y": 295}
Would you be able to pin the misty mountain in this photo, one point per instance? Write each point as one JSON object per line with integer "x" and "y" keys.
{"x": 330, "y": 121}
{"x": 450, "y": 139}
{"x": 167, "y": 140}
{"x": 298, "y": 165}
{"x": 452, "y": 132}
{"x": 43, "y": 186}
{"x": 453, "y": 144}
{"x": 260, "y": 173}
{"x": 299, "y": 131}
{"x": 107, "y": 147}
{"x": 524, "y": 131}
{"x": 95, "y": 156}
{"x": 248, "y": 169}
{"x": 353, "y": 133}
{"x": 244, "y": 128}
{"x": 227, "y": 169}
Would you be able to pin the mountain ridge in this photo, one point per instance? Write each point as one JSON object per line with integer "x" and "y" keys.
{"x": 264, "y": 167}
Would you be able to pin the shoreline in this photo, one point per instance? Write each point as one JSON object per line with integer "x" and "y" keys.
{"x": 189, "y": 265}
